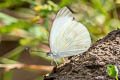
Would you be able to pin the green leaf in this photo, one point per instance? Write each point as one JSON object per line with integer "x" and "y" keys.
{"x": 7, "y": 61}
{"x": 65, "y": 2}
{"x": 19, "y": 24}
{"x": 15, "y": 52}
{"x": 47, "y": 23}
{"x": 112, "y": 71}
{"x": 39, "y": 32}
{"x": 7, "y": 75}
{"x": 7, "y": 19}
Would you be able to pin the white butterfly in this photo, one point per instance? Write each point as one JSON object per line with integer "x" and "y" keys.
{"x": 68, "y": 37}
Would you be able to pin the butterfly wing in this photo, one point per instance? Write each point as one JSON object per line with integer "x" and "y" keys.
{"x": 63, "y": 17}
{"x": 68, "y": 37}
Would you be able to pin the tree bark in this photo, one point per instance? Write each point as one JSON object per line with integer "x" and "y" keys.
{"x": 92, "y": 64}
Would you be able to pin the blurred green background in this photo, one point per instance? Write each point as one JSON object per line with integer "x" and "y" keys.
{"x": 25, "y": 26}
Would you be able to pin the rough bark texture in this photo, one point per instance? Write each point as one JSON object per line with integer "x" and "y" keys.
{"x": 92, "y": 64}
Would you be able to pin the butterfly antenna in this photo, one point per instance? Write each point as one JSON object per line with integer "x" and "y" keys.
{"x": 34, "y": 50}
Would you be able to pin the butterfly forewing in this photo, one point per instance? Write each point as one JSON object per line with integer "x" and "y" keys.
{"x": 64, "y": 12}
{"x": 63, "y": 16}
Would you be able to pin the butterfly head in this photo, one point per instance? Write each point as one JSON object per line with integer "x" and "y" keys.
{"x": 53, "y": 55}
{"x": 49, "y": 53}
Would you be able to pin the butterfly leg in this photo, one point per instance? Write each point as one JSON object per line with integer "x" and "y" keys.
{"x": 54, "y": 62}
{"x": 65, "y": 60}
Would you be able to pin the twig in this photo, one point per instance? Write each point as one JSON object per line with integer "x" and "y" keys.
{"x": 20, "y": 66}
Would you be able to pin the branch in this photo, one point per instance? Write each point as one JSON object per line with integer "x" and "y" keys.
{"x": 20, "y": 66}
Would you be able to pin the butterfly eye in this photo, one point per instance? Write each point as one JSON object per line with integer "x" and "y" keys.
{"x": 48, "y": 54}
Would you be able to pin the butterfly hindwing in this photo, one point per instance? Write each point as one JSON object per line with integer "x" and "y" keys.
{"x": 73, "y": 40}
